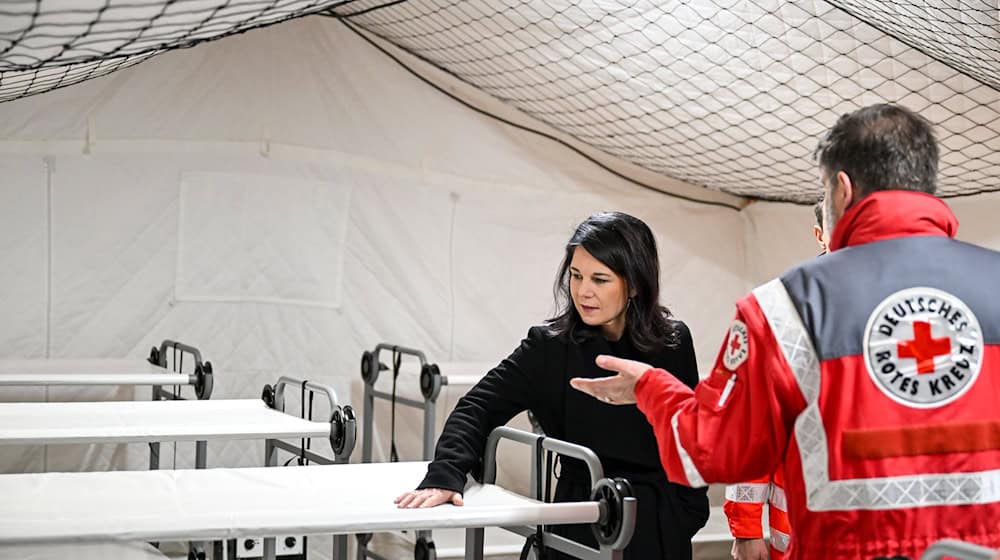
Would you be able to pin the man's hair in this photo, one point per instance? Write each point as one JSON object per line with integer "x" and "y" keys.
{"x": 818, "y": 210}
{"x": 882, "y": 147}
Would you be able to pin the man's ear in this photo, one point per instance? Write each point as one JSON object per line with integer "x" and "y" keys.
{"x": 847, "y": 189}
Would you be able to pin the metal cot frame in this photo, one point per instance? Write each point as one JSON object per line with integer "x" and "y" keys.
{"x": 431, "y": 382}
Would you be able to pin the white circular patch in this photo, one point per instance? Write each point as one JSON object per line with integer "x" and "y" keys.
{"x": 923, "y": 347}
{"x": 737, "y": 346}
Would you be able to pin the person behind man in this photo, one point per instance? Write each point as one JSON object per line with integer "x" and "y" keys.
{"x": 744, "y": 505}
{"x": 820, "y": 231}
{"x": 871, "y": 372}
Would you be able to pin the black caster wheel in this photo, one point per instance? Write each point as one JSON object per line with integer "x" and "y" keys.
{"x": 424, "y": 550}
{"x": 611, "y": 494}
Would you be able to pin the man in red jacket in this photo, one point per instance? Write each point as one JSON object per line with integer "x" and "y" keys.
{"x": 871, "y": 373}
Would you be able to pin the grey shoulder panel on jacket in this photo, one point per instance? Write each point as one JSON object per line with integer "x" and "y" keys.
{"x": 836, "y": 294}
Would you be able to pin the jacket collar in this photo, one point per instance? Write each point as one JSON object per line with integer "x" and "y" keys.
{"x": 889, "y": 214}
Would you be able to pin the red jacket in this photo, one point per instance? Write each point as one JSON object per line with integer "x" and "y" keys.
{"x": 871, "y": 374}
{"x": 744, "y": 508}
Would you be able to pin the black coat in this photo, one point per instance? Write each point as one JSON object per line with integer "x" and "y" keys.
{"x": 536, "y": 377}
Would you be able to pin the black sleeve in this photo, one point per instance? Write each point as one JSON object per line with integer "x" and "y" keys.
{"x": 692, "y": 502}
{"x": 687, "y": 363}
{"x": 505, "y": 391}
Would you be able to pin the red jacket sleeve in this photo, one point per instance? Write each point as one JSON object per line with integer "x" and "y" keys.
{"x": 744, "y": 507}
{"x": 735, "y": 425}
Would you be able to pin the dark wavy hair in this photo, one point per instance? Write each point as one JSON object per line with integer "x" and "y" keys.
{"x": 624, "y": 244}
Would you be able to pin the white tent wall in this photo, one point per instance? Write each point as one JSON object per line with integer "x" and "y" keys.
{"x": 287, "y": 198}
{"x": 285, "y": 228}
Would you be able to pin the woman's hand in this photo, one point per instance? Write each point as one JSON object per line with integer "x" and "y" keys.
{"x": 428, "y": 497}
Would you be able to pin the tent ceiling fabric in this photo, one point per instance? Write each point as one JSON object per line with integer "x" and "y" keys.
{"x": 732, "y": 95}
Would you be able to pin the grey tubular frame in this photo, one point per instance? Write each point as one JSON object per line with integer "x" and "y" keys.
{"x": 626, "y": 506}
{"x": 371, "y": 366}
{"x": 343, "y": 430}
{"x": 201, "y": 379}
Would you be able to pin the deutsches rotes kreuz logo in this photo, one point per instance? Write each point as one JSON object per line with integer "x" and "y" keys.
{"x": 923, "y": 347}
{"x": 737, "y": 346}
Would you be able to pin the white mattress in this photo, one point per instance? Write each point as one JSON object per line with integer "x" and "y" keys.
{"x": 458, "y": 373}
{"x": 82, "y": 551}
{"x": 141, "y": 421}
{"x": 86, "y": 372}
{"x": 226, "y": 503}
{"x": 465, "y": 373}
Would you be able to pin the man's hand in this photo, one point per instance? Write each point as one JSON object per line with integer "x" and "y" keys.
{"x": 750, "y": 549}
{"x": 428, "y": 497}
{"x": 617, "y": 389}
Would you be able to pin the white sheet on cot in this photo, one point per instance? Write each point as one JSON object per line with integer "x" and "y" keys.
{"x": 86, "y": 372}
{"x": 226, "y": 503}
{"x": 35, "y": 423}
{"x": 82, "y": 551}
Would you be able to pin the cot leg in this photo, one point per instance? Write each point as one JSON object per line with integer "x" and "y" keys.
{"x": 429, "y": 439}
{"x": 363, "y": 540}
{"x": 196, "y": 551}
{"x": 200, "y": 454}
{"x": 368, "y": 421}
{"x": 339, "y": 547}
{"x": 269, "y": 548}
{"x": 474, "y": 540}
{"x": 424, "y": 549}
{"x": 270, "y": 453}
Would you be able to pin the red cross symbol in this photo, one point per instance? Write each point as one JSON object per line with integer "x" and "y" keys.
{"x": 924, "y": 347}
{"x": 735, "y": 344}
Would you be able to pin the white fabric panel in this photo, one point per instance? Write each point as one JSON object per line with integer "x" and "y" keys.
{"x": 977, "y": 217}
{"x": 778, "y": 236}
{"x": 142, "y": 421}
{"x": 270, "y": 239}
{"x": 82, "y": 551}
{"x": 505, "y": 269}
{"x": 113, "y": 252}
{"x": 397, "y": 284}
{"x": 228, "y": 503}
{"x": 23, "y": 256}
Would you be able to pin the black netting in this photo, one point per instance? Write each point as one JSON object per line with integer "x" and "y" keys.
{"x": 45, "y": 45}
{"x": 729, "y": 94}
{"x": 962, "y": 33}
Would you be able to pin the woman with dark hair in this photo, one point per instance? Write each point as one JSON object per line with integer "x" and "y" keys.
{"x": 609, "y": 289}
